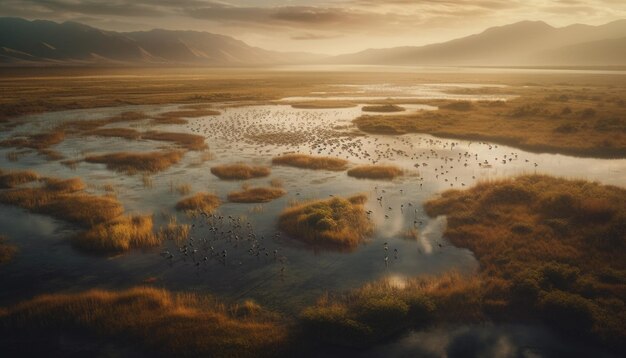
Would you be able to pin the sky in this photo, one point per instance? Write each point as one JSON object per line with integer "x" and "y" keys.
{"x": 325, "y": 26}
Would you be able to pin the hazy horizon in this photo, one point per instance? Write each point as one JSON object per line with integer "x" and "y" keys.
{"x": 325, "y": 27}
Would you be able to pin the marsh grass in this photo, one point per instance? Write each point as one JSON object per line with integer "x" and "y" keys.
{"x": 35, "y": 141}
{"x": 174, "y": 231}
{"x": 385, "y": 108}
{"x": 190, "y": 113}
{"x": 183, "y": 140}
{"x": 15, "y": 178}
{"x": 183, "y": 189}
{"x": 51, "y": 155}
{"x": 7, "y": 250}
{"x": 311, "y": 162}
{"x": 199, "y": 202}
{"x": 239, "y": 171}
{"x": 127, "y": 133}
{"x": 533, "y": 121}
{"x": 323, "y": 104}
{"x": 553, "y": 248}
{"x": 159, "y": 321}
{"x": 383, "y": 172}
{"x": 132, "y": 162}
{"x": 335, "y": 223}
{"x": 93, "y": 124}
{"x": 118, "y": 235}
{"x": 256, "y": 195}
{"x": 382, "y": 309}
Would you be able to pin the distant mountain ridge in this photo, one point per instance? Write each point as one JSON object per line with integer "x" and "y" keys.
{"x": 525, "y": 43}
{"x": 24, "y": 42}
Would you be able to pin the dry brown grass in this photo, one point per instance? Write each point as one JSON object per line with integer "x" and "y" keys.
{"x": 169, "y": 120}
{"x": 199, "y": 202}
{"x": 183, "y": 140}
{"x": 127, "y": 133}
{"x": 118, "y": 235}
{"x": 131, "y": 163}
{"x": 15, "y": 178}
{"x": 321, "y": 104}
{"x": 51, "y": 155}
{"x": 239, "y": 171}
{"x": 193, "y": 113}
{"x": 384, "y": 172}
{"x": 35, "y": 141}
{"x": 311, "y": 162}
{"x": 552, "y": 248}
{"x": 335, "y": 223}
{"x": 57, "y": 199}
{"x": 93, "y": 124}
{"x": 569, "y": 120}
{"x": 385, "y": 108}
{"x": 161, "y": 322}
{"x": 7, "y": 251}
{"x": 256, "y": 195}
{"x": 174, "y": 231}
{"x": 385, "y": 308}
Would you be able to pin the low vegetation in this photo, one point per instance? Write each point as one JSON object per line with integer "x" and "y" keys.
{"x": 256, "y": 195}
{"x": 200, "y": 202}
{"x": 321, "y": 104}
{"x": 35, "y": 141}
{"x": 335, "y": 223}
{"x": 183, "y": 140}
{"x": 174, "y": 231}
{"x": 311, "y": 162}
{"x": 127, "y": 133}
{"x": 7, "y": 250}
{"x": 15, "y": 178}
{"x": 571, "y": 120}
{"x": 106, "y": 230}
{"x": 384, "y": 308}
{"x": 384, "y": 172}
{"x": 162, "y": 322}
{"x": 190, "y": 113}
{"x": 131, "y": 162}
{"x": 383, "y": 108}
{"x": 240, "y": 171}
{"x": 548, "y": 248}
{"x": 118, "y": 235}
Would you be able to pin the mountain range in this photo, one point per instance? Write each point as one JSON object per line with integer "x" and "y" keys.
{"x": 526, "y": 43}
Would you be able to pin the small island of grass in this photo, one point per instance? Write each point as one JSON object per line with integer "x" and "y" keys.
{"x": 256, "y": 195}
{"x": 240, "y": 171}
{"x": 199, "y": 202}
{"x": 384, "y": 108}
{"x": 382, "y": 172}
{"x": 335, "y": 223}
{"x": 311, "y": 162}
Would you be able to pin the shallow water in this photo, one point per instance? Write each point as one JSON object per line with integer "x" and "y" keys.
{"x": 296, "y": 274}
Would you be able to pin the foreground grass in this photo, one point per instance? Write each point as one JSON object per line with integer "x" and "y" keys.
{"x": 158, "y": 320}
{"x": 256, "y": 195}
{"x": 550, "y": 248}
{"x": 382, "y": 309}
{"x": 311, "y": 162}
{"x": 384, "y": 172}
{"x": 7, "y": 250}
{"x": 335, "y": 223}
{"x": 199, "y": 202}
{"x": 240, "y": 171}
{"x": 131, "y": 163}
{"x": 586, "y": 122}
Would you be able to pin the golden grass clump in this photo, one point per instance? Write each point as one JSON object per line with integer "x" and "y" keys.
{"x": 35, "y": 141}
{"x": 256, "y": 195}
{"x": 556, "y": 249}
{"x": 385, "y": 108}
{"x": 127, "y": 133}
{"x": 321, "y": 104}
{"x": 174, "y": 231}
{"x": 335, "y": 223}
{"x": 130, "y": 162}
{"x": 15, "y": 178}
{"x": 239, "y": 171}
{"x": 51, "y": 155}
{"x": 311, "y": 162}
{"x": 184, "y": 140}
{"x": 199, "y": 202}
{"x": 7, "y": 251}
{"x": 384, "y": 308}
{"x": 161, "y": 322}
{"x": 118, "y": 235}
{"x": 193, "y": 113}
{"x": 384, "y": 172}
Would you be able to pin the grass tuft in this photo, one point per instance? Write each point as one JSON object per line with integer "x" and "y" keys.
{"x": 256, "y": 195}
{"x": 311, "y": 162}
{"x": 200, "y": 202}
{"x": 131, "y": 163}
{"x": 384, "y": 172}
{"x": 239, "y": 171}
